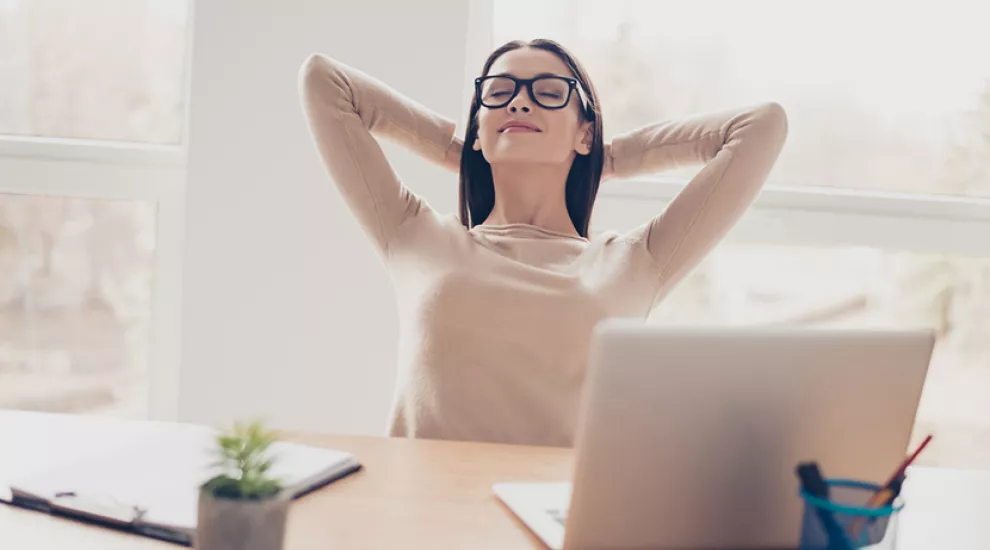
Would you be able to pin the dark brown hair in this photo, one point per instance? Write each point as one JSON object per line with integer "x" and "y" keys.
{"x": 477, "y": 190}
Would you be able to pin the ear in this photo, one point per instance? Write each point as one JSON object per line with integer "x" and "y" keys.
{"x": 583, "y": 138}
{"x": 476, "y": 145}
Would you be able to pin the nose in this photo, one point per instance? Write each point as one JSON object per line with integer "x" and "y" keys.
{"x": 521, "y": 102}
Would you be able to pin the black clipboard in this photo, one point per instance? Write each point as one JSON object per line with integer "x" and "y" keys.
{"x": 134, "y": 476}
{"x": 106, "y": 511}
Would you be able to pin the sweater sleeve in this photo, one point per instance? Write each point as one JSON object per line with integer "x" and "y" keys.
{"x": 346, "y": 109}
{"x": 738, "y": 150}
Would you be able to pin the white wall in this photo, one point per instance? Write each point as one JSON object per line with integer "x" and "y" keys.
{"x": 287, "y": 312}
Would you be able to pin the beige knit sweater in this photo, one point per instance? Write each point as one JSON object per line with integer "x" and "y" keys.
{"x": 495, "y": 321}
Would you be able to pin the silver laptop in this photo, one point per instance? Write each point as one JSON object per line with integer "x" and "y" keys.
{"x": 689, "y": 437}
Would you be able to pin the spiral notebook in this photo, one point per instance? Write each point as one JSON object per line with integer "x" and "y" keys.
{"x": 140, "y": 477}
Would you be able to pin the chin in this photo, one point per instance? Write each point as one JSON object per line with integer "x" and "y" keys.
{"x": 522, "y": 152}
{"x": 516, "y": 157}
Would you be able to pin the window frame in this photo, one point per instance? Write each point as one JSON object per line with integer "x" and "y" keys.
{"x": 800, "y": 216}
{"x": 117, "y": 170}
{"x": 39, "y": 166}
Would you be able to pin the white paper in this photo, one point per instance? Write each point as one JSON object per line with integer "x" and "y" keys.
{"x": 158, "y": 467}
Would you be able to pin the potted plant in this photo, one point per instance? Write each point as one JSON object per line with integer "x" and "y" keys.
{"x": 242, "y": 507}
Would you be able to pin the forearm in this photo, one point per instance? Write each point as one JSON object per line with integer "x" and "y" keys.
{"x": 741, "y": 154}
{"x": 342, "y": 107}
{"x": 668, "y": 144}
{"x": 391, "y": 115}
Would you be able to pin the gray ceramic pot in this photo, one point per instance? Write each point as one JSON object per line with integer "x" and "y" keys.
{"x": 230, "y": 524}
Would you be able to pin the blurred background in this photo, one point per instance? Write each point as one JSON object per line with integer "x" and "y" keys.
{"x": 883, "y": 185}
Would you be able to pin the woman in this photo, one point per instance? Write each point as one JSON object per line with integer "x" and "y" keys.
{"x": 497, "y": 305}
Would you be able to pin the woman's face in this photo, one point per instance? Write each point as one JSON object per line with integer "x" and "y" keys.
{"x": 558, "y": 133}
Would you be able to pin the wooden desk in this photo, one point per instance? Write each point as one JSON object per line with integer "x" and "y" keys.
{"x": 410, "y": 494}
{"x": 437, "y": 495}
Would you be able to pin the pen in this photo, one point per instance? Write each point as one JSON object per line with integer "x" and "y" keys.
{"x": 814, "y": 484}
{"x": 812, "y": 480}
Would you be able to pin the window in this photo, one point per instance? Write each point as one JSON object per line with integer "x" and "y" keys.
{"x": 99, "y": 69}
{"x": 876, "y": 211}
{"x": 871, "y": 104}
{"x": 75, "y": 304}
{"x": 92, "y": 122}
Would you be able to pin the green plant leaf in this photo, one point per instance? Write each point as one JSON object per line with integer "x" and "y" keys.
{"x": 244, "y": 461}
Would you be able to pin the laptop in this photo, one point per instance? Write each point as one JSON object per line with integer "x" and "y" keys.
{"x": 688, "y": 437}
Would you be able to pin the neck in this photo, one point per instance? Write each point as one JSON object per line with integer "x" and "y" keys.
{"x": 531, "y": 194}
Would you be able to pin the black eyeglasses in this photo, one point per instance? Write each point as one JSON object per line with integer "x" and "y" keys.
{"x": 549, "y": 92}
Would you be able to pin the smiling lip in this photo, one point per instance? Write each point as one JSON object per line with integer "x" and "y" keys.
{"x": 519, "y": 130}
{"x": 516, "y": 126}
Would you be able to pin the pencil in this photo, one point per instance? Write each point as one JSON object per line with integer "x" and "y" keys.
{"x": 887, "y": 492}
{"x": 878, "y": 498}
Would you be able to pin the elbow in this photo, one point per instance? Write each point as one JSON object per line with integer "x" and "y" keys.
{"x": 774, "y": 118}
{"x": 313, "y": 70}
{"x": 322, "y": 78}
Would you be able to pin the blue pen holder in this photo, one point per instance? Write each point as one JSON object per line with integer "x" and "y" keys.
{"x": 844, "y": 523}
